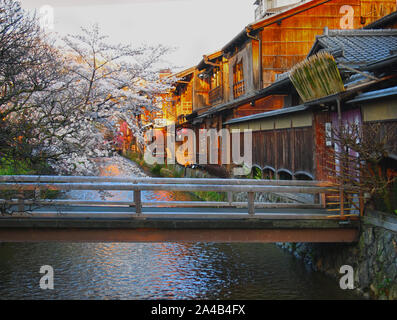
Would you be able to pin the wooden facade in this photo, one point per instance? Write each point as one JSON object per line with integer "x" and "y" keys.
{"x": 283, "y": 145}
{"x": 228, "y": 84}
{"x": 209, "y": 83}
{"x": 287, "y": 37}
{"x": 179, "y": 102}
{"x": 284, "y": 151}
{"x": 384, "y": 112}
{"x": 274, "y": 45}
{"x": 286, "y": 40}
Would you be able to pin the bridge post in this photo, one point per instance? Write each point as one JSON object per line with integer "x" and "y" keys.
{"x": 37, "y": 194}
{"x": 316, "y": 198}
{"x": 251, "y": 203}
{"x": 21, "y": 204}
{"x": 361, "y": 201}
{"x": 230, "y": 197}
{"x": 323, "y": 200}
{"x": 138, "y": 202}
{"x": 319, "y": 198}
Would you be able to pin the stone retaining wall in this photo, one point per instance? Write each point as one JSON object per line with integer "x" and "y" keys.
{"x": 373, "y": 258}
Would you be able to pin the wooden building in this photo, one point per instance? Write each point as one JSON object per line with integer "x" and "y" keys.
{"x": 248, "y": 77}
{"x": 234, "y": 82}
{"x": 294, "y": 142}
{"x": 263, "y": 50}
{"x": 286, "y": 38}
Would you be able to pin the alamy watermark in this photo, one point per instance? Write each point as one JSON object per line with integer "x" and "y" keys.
{"x": 211, "y": 146}
{"x": 347, "y": 280}
{"x": 347, "y": 21}
{"x": 47, "y": 281}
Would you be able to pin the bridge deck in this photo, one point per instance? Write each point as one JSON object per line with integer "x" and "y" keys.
{"x": 121, "y": 224}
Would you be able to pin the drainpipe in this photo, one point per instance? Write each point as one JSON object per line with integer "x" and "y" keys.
{"x": 259, "y": 39}
{"x": 339, "y": 113}
{"x": 342, "y": 163}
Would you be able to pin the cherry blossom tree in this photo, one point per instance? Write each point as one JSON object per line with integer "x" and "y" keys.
{"x": 60, "y": 101}
{"x": 29, "y": 65}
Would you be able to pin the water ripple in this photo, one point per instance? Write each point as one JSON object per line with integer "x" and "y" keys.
{"x": 160, "y": 271}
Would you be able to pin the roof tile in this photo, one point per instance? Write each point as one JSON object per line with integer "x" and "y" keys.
{"x": 357, "y": 47}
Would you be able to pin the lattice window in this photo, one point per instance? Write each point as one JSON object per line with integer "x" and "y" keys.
{"x": 238, "y": 80}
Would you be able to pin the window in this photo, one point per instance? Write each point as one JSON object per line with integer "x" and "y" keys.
{"x": 238, "y": 80}
{"x": 215, "y": 93}
{"x": 215, "y": 79}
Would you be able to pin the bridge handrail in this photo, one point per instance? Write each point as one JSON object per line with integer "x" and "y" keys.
{"x": 208, "y": 181}
{"x": 137, "y": 185}
{"x": 163, "y": 187}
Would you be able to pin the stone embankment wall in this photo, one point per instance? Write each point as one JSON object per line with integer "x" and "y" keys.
{"x": 373, "y": 258}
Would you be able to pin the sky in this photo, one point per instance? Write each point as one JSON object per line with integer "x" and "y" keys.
{"x": 192, "y": 27}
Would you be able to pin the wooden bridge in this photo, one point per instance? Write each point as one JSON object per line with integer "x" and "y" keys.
{"x": 27, "y": 213}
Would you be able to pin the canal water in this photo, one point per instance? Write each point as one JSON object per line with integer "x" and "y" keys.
{"x": 158, "y": 270}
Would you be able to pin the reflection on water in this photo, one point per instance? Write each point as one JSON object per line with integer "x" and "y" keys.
{"x": 160, "y": 271}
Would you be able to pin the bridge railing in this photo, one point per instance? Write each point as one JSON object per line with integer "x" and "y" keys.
{"x": 22, "y": 185}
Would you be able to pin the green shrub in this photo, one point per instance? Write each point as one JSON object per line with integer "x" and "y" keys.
{"x": 256, "y": 173}
{"x": 156, "y": 169}
{"x": 22, "y": 167}
{"x": 134, "y": 156}
{"x": 211, "y": 195}
{"x": 165, "y": 172}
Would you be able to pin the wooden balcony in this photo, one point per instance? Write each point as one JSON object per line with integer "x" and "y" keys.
{"x": 238, "y": 89}
{"x": 215, "y": 95}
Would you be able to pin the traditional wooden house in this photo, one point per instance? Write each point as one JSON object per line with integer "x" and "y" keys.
{"x": 251, "y": 67}
{"x": 286, "y": 37}
{"x": 294, "y": 142}
{"x": 176, "y": 103}
{"x": 210, "y": 85}
{"x": 367, "y": 60}
{"x": 247, "y": 81}
{"x": 182, "y": 96}
{"x": 271, "y": 46}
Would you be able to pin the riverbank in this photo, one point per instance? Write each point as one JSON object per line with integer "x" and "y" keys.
{"x": 373, "y": 258}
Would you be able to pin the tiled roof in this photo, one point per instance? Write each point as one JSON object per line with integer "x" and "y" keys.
{"x": 357, "y": 47}
{"x": 373, "y": 95}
